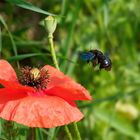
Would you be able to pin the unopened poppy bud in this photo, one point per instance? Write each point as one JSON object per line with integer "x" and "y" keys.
{"x": 35, "y": 74}
{"x": 50, "y": 24}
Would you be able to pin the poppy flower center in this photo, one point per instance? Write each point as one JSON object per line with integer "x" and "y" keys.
{"x": 34, "y": 77}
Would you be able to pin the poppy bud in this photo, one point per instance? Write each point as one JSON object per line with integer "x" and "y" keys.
{"x": 50, "y": 24}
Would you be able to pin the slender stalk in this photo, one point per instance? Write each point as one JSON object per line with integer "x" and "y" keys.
{"x": 68, "y": 133}
{"x": 31, "y": 134}
{"x": 50, "y": 24}
{"x": 77, "y": 131}
{"x": 50, "y": 37}
{"x": 14, "y": 46}
{"x": 11, "y": 38}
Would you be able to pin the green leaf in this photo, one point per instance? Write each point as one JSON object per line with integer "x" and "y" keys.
{"x": 29, "y": 43}
{"x": 29, "y": 6}
{"x": 23, "y": 56}
{"x": 114, "y": 121}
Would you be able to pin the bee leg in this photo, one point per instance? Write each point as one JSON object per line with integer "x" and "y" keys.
{"x": 95, "y": 62}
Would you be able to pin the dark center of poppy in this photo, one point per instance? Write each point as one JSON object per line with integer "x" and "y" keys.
{"x": 34, "y": 77}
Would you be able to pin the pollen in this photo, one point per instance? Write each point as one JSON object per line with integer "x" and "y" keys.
{"x": 34, "y": 77}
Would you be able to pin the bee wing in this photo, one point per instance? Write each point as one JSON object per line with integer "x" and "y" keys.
{"x": 87, "y": 56}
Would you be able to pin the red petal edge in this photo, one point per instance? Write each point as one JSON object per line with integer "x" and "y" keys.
{"x": 44, "y": 112}
{"x": 7, "y": 72}
{"x": 64, "y": 87}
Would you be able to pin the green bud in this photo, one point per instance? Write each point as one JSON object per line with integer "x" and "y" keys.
{"x": 50, "y": 24}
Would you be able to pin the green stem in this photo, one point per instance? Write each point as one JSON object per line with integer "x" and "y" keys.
{"x": 77, "y": 131}
{"x": 50, "y": 37}
{"x": 11, "y": 38}
{"x": 68, "y": 133}
{"x": 31, "y": 134}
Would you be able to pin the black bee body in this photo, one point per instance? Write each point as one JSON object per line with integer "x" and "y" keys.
{"x": 97, "y": 57}
{"x": 104, "y": 62}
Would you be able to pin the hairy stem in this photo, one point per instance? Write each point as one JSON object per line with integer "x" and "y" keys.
{"x": 50, "y": 37}
{"x": 68, "y": 133}
{"x": 77, "y": 131}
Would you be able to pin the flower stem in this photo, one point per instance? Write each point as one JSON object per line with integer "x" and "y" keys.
{"x": 68, "y": 133}
{"x": 50, "y": 37}
{"x": 50, "y": 24}
{"x": 31, "y": 134}
{"x": 77, "y": 131}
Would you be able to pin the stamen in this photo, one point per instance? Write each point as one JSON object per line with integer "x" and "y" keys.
{"x": 34, "y": 77}
{"x": 35, "y": 74}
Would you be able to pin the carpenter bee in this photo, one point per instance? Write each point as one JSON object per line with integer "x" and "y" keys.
{"x": 97, "y": 57}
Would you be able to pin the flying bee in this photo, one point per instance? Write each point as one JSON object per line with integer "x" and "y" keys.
{"x": 97, "y": 57}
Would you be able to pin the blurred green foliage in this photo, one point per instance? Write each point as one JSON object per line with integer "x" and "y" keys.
{"x": 112, "y": 26}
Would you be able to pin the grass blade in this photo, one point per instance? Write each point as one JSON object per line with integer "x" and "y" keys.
{"x": 29, "y": 6}
{"x": 23, "y": 56}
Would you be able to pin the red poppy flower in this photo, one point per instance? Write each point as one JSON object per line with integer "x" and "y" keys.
{"x": 40, "y": 101}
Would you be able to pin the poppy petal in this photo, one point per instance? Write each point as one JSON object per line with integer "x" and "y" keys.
{"x": 69, "y": 92}
{"x": 16, "y": 86}
{"x": 47, "y": 111}
{"x": 10, "y": 94}
{"x": 7, "y": 72}
{"x": 64, "y": 87}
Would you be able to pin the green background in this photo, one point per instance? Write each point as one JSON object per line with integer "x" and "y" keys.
{"x": 112, "y": 26}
